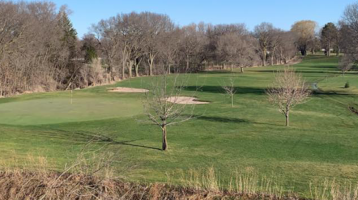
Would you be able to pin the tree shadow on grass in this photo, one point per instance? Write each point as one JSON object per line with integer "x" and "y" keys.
{"x": 219, "y": 89}
{"x": 312, "y": 71}
{"x": 220, "y": 72}
{"x": 230, "y": 120}
{"x": 129, "y": 143}
{"x": 91, "y": 137}
{"x": 331, "y": 92}
{"x": 220, "y": 119}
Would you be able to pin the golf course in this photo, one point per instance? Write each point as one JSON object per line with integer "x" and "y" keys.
{"x": 250, "y": 138}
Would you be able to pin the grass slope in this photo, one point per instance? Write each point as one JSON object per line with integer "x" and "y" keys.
{"x": 321, "y": 143}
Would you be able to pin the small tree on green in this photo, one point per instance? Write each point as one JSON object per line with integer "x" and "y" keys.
{"x": 230, "y": 90}
{"x": 287, "y": 91}
{"x": 163, "y": 104}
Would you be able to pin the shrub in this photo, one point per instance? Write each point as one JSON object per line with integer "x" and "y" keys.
{"x": 347, "y": 85}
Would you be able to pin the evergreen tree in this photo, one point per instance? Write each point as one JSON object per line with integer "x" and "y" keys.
{"x": 69, "y": 38}
{"x": 329, "y": 37}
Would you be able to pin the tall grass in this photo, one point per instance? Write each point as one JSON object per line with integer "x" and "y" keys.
{"x": 334, "y": 190}
{"x": 252, "y": 185}
{"x": 90, "y": 176}
{"x": 247, "y": 183}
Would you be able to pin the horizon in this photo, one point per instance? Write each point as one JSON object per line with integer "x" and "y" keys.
{"x": 282, "y": 14}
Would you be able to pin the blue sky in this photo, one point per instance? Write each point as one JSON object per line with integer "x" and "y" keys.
{"x": 282, "y": 13}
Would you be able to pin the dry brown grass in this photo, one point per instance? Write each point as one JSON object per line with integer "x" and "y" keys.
{"x": 24, "y": 185}
{"x": 332, "y": 190}
{"x": 246, "y": 184}
{"x": 90, "y": 177}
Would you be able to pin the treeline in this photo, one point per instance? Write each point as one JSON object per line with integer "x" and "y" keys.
{"x": 348, "y": 38}
{"x": 36, "y": 47}
{"x": 40, "y": 50}
{"x": 149, "y": 43}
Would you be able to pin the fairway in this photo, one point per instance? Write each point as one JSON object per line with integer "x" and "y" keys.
{"x": 322, "y": 141}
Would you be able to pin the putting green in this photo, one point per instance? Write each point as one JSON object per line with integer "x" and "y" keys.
{"x": 60, "y": 110}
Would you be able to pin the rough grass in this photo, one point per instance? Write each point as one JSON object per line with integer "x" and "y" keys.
{"x": 321, "y": 143}
{"x": 22, "y": 185}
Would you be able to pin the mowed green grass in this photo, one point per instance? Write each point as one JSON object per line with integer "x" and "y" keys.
{"x": 322, "y": 141}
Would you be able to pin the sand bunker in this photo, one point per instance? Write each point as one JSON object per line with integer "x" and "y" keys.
{"x": 185, "y": 100}
{"x": 128, "y": 90}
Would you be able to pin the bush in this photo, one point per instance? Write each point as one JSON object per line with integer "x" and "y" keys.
{"x": 347, "y": 85}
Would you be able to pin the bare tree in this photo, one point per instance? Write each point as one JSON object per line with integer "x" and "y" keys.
{"x": 286, "y": 49}
{"x": 237, "y": 49}
{"x": 160, "y": 110}
{"x": 348, "y": 35}
{"x": 169, "y": 48}
{"x": 346, "y": 64}
{"x": 158, "y": 26}
{"x": 190, "y": 45}
{"x": 110, "y": 44}
{"x": 230, "y": 90}
{"x": 276, "y": 37}
{"x": 123, "y": 39}
{"x": 265, "y": 34}
{"x": 288, "y": 90}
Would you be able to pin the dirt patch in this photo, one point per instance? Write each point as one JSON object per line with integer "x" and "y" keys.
{"x": 186, "y": 100}
{"x": 128, "y": 90}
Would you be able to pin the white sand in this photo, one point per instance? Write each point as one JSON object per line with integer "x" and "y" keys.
{"x": 185, "y": 100}
{"x": 128, "y": 90}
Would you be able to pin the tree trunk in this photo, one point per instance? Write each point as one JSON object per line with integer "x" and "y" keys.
{"x": 130, "y": 68}
{"x": 337, "y": 51}
{"x": 124, "y": 62}
{"x": 287, "y": 115}
{"x": 232, "y": 100}
{"x": 169, "y": 68}
{"x": 272, "y": 56}
{"x": 303, "y": 50}
{"x": 264, "y": 58}
{"x": 329, "y": 50}
{"x": 137, "y": 63}
{"x": 150, "y": 69}
{"x": 164, "y": 141}
{"x": 242, "y": 69}
{"x": 71, "y": 96}
{"x": 232, "y": 67}
{"x": 187, "y": 64}
{"x": 123, "y": 69}
{"x": 151, "y": 64}
{"x": 136, "y": 71}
